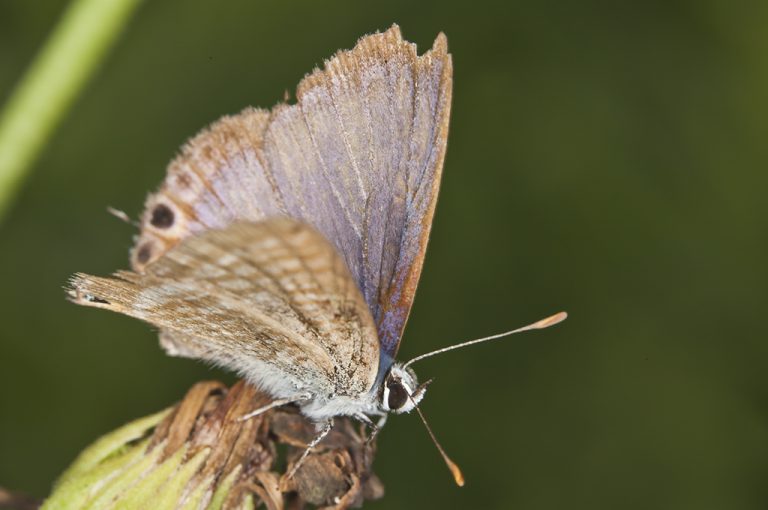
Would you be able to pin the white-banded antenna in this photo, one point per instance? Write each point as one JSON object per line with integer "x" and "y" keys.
{"x": 543, "y": 323}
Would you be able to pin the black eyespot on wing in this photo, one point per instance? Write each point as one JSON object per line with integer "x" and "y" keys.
{"x": 162, "y": 216}
{"x": 144, "y": 253}
{"x": 398, "y": 395}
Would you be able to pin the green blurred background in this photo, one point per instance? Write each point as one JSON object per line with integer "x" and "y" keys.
{"x": 605, "y": 158}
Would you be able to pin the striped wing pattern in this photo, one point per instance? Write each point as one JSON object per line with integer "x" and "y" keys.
{"x": 271, "y": 299}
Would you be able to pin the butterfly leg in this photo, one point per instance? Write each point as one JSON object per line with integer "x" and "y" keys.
{"x": 273, "y": 404}
{"x": 379, "y": 425}
{"x": 375, "y": 427}
{"x": 327, "y": 426}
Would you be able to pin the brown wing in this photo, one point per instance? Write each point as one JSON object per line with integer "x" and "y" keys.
{"x": 359, "y": 157}
{"x": 272, "y": 293}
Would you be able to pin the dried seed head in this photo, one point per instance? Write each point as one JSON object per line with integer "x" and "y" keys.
{"x": 198, "y": 454}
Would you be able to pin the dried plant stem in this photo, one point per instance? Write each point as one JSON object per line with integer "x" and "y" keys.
{"x": 74, "y": 49}
{"x": 201, "y": 454}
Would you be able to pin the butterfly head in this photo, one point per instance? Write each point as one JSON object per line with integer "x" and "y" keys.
{"x": 401, "y": 392}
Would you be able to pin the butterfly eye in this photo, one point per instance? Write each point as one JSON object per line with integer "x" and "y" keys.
{"x": 398, "y": 395}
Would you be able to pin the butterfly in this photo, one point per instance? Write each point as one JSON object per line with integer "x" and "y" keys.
{"x": 287, "y": 244}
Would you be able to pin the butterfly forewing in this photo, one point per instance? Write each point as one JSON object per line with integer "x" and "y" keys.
{"x": 272, "y": 295}
{"x": 359, "y": 157}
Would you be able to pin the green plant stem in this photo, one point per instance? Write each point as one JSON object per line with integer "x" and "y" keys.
{"x": 73, "y": 51}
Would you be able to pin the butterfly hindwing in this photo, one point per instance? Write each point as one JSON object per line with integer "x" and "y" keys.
{"x": 272, "y": 300}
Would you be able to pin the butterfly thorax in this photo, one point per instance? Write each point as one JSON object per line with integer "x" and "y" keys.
{"x": 399, "y": 392}
{"x": 320, "y": 409}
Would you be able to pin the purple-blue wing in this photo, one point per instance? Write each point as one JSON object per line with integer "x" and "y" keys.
{"x": 359, "y": 157}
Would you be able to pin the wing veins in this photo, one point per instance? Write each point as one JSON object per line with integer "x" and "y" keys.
{"x": 327, "y": 175}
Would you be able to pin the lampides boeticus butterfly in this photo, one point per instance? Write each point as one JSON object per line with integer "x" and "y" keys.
{"x": 287, "y": 244}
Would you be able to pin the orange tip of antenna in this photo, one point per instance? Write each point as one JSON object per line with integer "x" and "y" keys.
{"x": 550, "y": 321}
{"x": 458, "y": 476}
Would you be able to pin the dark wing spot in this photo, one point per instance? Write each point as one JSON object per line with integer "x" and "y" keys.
{"x": 144, "y": 253}
{"x": 162, "y": 216}
{"x": 93, "y": 299}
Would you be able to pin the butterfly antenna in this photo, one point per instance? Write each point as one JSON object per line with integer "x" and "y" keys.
{"x": 543, "y": 323}
{"x": 458, "y": 477}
